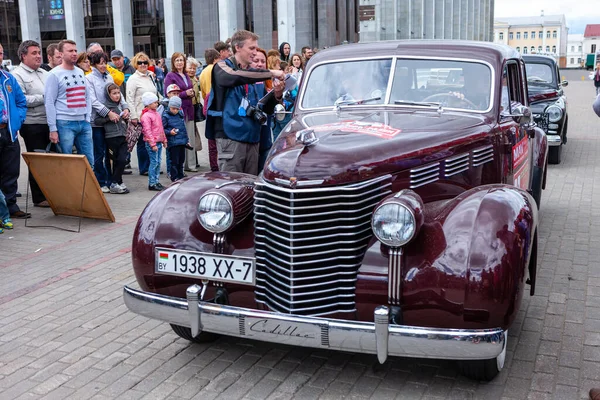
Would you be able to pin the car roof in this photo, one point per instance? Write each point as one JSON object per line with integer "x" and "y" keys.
{"x": 538, "y": 58}
{"x": 493, "y": 53}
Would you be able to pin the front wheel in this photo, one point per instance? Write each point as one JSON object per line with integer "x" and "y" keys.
{"x": 186, "y": 333}
{"x": 484, "y": 370}
{"x": 555, "y": 154}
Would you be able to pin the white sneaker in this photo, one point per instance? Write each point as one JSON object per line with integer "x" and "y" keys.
{"x": 122, "y": 185}
{"x": 105, "y": 189}
{"x": 116, "y": 189}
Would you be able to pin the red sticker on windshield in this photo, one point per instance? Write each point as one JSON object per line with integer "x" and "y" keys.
{"x": 367, "y": 128}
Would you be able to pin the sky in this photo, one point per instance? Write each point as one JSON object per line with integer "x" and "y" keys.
{"x": 578, "y": 13}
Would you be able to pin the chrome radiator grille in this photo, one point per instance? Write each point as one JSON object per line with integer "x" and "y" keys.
{"x": 310, "y": 243}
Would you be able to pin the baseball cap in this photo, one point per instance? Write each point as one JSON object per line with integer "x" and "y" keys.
{"x": 172, "y": 87}
{"x": 116, "y": 54}
{"x": 175, "y": 102}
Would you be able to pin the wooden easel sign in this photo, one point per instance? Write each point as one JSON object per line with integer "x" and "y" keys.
{"x": 69, "y": 184}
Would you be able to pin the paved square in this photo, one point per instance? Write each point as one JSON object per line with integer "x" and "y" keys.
{"x": 66, "y": 334}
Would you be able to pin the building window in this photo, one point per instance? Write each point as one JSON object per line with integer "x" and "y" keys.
{"x": 501, "y": 35}
{"x": 554, "y": 49}
{"x": 510, "y": 36}
{"x": 518, "y": 35}
{"x": 572, "y": 61}
{"x": 518, "y": 49}
{"x": 554, "y": 34}
{"x": 579, "y": 48}
{"x": 532, "y": 49}
{"x": 572, "y": 48}
{"x": 579, "y": 61}
{"x": 539, "y": 49}
{"x": 533, "y": 34}
{"x": 541, "y": 34}
{"x": 524, "y": 35}
{"x": 524, "y": 50}
{"x": 593, "y": 48}
{"x": 547, "y": 49}
{"x": 547, "y": 34}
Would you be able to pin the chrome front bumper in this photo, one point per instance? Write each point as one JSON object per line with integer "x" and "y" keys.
{"x": 378, "y": 337}
{"x": 553, "y": 140}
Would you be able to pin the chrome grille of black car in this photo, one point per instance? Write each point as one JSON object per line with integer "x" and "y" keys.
{"x": 310, "y": 243}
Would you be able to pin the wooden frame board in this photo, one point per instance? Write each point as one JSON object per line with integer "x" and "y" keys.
{"x": 69, "y": 184}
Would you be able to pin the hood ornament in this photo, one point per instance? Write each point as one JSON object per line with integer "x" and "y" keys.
{"x": 307, "y": 137}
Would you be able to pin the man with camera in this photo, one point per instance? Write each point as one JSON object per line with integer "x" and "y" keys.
{"x": 235, "y": 116}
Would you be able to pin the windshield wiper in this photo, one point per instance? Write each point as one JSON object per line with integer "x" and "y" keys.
{"x": 418, "y": 103}
{"x": 355, "y": 102}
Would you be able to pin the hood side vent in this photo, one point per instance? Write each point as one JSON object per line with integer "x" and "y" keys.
{"x": 456, "y": 165}
{"x": 423, "y": 175}
{"x": 483, "y": 155}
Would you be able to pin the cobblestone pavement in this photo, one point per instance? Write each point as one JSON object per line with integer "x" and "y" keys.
{"x": 65, "y": 333}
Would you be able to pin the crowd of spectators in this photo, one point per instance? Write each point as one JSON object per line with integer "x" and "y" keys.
{"x": 94, "y": 104}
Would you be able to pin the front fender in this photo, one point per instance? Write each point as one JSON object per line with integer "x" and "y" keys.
{"x": 169, "y": 220}
{"x": 467, "y": 267}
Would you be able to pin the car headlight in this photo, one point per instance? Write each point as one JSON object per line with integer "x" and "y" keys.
{"x": 394, "y": 224}
{"x": 215, "y": 212}
{"x": 554, "y": 113}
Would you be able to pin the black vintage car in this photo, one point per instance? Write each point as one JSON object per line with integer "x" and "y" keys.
{"x": 548, "y": 101}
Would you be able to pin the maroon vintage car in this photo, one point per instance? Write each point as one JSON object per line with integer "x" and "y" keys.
{"x": 396, "y": 214}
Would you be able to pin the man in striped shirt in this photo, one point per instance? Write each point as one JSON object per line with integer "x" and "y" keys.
{"x": 68, "y": 105}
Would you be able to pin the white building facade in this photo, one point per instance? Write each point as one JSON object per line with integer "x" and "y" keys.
{"x": 575, "y": 54}
{"x": 425, "y": 19}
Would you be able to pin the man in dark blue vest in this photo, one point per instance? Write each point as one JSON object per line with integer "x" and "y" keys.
{"x": 234, "y": 117}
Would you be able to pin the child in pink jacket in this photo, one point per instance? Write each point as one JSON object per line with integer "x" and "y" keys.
{"x": 154, "y": 136}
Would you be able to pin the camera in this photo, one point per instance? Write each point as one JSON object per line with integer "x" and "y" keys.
{"x": 258, "y": 115}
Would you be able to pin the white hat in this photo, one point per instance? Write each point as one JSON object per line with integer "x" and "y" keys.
{"x": 149, "y": 98}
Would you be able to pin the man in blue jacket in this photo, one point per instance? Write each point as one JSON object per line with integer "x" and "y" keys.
{"x": 13, "y": 110}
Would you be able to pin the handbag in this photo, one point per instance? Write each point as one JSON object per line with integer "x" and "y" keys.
{"x": 198, "y": 113}
{"x": 132, "y": 135}
{"x": 47, "y": 150}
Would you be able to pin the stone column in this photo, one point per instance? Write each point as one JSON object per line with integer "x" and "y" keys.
{"x": 342, "y": 12}
{"x": 326, "y": 23}
{"x": 416, "y": 19}
{"x": 490, "y": 14}
{"x": 351, "y": 27}
{"x": 404, "y": 20}
{"x": 471, "y": 20}
{"x": 231, "y": 17}
{"x": 464, "y": 19}
{"x": 448, "y": 18}
{"x": 428, "y": 19}
{"x": 74, "y": 23}
{"x": 262, "y": 10}
{"x": 123, "y": 27}
{"x": 286, "y": 23}
{"x": 304, "y": 23}
{"x": 30, "y": 26}
{"x": 439, "y": 19}
{"x": 457, "y": 26}
{"x": 206, "y": 25}
{"x": 476, "y": 19}
{"x": 174, "y": 28}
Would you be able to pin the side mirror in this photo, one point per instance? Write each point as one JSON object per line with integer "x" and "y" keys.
{"x": 522, "y": 115}
{"x": 280, "y": 112}
{"x": 565, "y": 83}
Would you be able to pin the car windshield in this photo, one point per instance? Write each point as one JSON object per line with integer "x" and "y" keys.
{"x": 415, "y": 82}
{"x": 539, "y": 74}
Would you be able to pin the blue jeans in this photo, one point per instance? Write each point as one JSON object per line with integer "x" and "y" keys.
{"x": 4, "y": 214}
{"x": 101, "y": 170}
{"x": 154, "y": 169}
{"x": 78, "y": 133}
{"x": 142, "y": 154}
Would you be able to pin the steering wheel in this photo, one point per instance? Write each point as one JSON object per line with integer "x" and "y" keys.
{"x": 450, "y": 98}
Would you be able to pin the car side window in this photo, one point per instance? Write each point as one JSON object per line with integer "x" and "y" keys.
{"x": 505, "y": 92}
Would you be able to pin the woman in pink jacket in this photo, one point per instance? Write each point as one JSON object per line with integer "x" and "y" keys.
{"x": 154, "y": 136}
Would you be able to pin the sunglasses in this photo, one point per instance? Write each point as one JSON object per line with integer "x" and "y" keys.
{"x": 143, "y": 63}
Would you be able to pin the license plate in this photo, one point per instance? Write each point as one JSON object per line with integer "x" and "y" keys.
{"x": 214, "y": 267}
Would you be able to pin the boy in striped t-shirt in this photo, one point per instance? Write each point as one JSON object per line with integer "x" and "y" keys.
{"x": 68, "y": 105}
